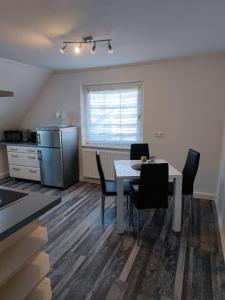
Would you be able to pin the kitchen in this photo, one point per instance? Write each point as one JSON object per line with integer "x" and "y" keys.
{"x": 81, "y": 84}
{"x": 49, "y": 155}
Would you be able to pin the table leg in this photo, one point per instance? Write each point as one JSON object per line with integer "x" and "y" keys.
{"x": 177, "y": 204}
{"x": 120, "y": 206}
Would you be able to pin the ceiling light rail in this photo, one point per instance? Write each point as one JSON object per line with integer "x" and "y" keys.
{"x": 86, "y": 40}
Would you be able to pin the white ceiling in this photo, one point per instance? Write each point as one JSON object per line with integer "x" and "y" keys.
{"x": 32, "y": 31}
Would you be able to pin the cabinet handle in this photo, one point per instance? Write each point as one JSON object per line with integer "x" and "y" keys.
{"x": 16, "y": 169}
{"x": 39, "y": 155}
{"x": 31, "y": 157}
{"x": 14, "y": 149}
{"x": 38, "y": 138}
{"x": 32, "y": 171}
{"x": 13, "y": 155}
{"x": 31, "y": 151}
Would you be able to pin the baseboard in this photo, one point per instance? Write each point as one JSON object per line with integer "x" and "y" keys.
{"x": 222, "y": 235}
{"x": 91, "y": 180}
{"x": 4, "y": 175}
{"x": 206, "y": 196}
{"x": 199, "y": 195}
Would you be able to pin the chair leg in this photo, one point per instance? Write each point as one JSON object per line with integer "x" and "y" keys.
{"x": 129, "y": 213}
{"x": 132, "y": 214}
{"x": 182, "y": 203}
{"x": 138, "y": 227}
{"x": 166, "y": 224}
{"x": 103, "y": 208}
{"x": 191, "y": 211}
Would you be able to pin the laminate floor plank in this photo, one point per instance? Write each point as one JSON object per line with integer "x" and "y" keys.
{"x": 92, "y": 262}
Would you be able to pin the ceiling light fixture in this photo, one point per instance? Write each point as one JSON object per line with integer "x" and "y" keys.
{"x": 63, "y": 48}
{"x": 93, "y": 49}
{"x": 77, "y": 49}
{"x": 110, "y": 49}
{"x": 86, "y": 40}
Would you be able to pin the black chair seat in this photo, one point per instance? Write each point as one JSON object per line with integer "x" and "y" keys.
{"x": 111, "y": 188}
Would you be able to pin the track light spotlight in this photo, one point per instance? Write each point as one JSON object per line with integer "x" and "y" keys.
{"x": 88, "y": 40}
{"x": 93, "y": 49}
{"x": 63, "y": 48}
{"x": 110, "y": 49}
{"x": 77, "y": 49}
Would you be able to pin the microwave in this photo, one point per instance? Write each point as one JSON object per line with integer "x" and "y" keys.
{"x": 17, "y": 135}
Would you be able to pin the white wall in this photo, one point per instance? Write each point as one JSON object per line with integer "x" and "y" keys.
{"x": 185, "y": 99}
{"x": 221, "y": 192}
{"x": 25, "y": 81}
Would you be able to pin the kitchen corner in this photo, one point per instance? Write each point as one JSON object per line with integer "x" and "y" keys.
{"x": 50, "y": 158}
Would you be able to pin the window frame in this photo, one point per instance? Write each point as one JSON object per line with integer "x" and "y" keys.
{"x": 105, "y": 86}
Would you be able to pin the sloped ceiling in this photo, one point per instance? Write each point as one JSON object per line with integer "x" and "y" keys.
{"x": 26, "y": 82}
{"x": 32, "y": 31}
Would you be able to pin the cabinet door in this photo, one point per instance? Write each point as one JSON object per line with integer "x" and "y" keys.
{"x": 22, "y": 172}
{"x": 18, "y": 148}
{"x": 23, "y": 159}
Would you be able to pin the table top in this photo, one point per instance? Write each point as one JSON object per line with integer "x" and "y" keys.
{"x": 123, "y": 169}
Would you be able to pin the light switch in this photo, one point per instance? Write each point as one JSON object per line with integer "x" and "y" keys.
{"x": 159, "y": 134}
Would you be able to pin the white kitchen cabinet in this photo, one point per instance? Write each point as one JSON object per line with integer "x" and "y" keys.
{"x": 24, "y": 172}
{"x": 23, "y": 162}
{"x": 23, "y": 159}
{"x": 22, "y": 149}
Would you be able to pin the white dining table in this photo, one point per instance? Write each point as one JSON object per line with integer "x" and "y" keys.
{"x": 124, "y": 171}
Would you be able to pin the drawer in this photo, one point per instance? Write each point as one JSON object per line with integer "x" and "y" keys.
{"x": 24, "y": 172}
{"x": 29, "y": 150}
{"x": 23, "y": 159}
{"x": 22, "y": 149}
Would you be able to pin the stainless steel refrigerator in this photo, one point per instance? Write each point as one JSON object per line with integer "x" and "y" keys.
{"x": 58, "y": 155}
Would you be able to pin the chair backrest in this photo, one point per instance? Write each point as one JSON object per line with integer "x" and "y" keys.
{"x": 153, "y": 186}
{"x": 100, "y": 171}
{"x": 190, "y": 171}
{"x": 138, "y": 150}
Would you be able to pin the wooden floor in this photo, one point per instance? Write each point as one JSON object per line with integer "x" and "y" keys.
{"x": 94, "y": 262}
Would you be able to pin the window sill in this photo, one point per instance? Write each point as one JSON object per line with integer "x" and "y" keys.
{"x": 108, "y": 147}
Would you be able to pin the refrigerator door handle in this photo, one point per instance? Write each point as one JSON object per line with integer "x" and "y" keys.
{"x": 39, "y": 155}
{"x": 38, "y": 138}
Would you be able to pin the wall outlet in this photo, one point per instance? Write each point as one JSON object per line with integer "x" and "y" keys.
{"x": 159, "y": 134}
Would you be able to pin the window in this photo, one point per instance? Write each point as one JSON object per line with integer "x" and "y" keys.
{"x": 111, "y": 114}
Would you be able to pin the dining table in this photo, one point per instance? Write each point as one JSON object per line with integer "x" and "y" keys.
{"x": 124, "y": 170}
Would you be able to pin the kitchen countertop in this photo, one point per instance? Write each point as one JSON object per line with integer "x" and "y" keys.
{"x": 23, "y": 211}
{"x": 27, "y": 144}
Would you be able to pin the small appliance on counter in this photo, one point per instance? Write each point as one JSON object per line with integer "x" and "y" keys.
{"x": 33, "y": 137}
{"x": 58, "y": 155}
{"x": 17, "y": 135}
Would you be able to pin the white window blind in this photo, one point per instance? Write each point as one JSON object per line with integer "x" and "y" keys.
{"x": 112, "y": 114}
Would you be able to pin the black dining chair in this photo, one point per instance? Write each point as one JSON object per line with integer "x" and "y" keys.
{"x": 138, "y": 150}
{"x": 108, "y": 187}
{"x": 189, "y": 173}
{"x": 152, "y": 191}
